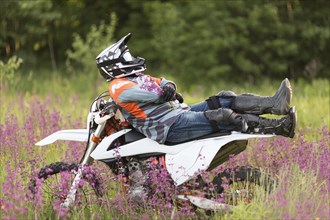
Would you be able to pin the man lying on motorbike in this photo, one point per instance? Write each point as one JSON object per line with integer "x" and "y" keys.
{"x": 153, "y": 107}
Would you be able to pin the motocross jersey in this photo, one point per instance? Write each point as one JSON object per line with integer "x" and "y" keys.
{"x": 141, "y": 102}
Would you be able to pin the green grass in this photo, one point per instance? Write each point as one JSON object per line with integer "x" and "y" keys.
{"x": 75, "y": 94}
{"x": 72, "y": 97}
{"x": 302, "y": 189}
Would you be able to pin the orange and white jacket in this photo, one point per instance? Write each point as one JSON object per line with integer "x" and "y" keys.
{"x": 140, "y": 100}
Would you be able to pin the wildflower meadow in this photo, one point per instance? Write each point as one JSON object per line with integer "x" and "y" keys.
{"x": 301, "y": 164}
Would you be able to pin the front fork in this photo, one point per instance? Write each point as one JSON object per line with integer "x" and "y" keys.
{"x": 86, "y": 160}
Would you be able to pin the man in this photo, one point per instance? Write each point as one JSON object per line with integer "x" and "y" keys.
{"x": 152, "y": 105}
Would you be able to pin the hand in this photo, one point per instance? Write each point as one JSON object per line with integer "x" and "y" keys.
{"x": 179, "y": 97}
{"x": 169, "y": 92}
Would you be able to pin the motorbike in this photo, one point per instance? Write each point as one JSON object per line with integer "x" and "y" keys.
{"x": 110, "y": 139}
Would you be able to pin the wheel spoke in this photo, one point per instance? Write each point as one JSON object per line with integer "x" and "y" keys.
{"x": 57, "y": 184}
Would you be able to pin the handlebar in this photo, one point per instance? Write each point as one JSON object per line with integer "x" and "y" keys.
{"x": 109, "y": 108}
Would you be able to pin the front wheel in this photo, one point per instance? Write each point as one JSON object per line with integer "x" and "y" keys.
{"x": 52, "y": 184}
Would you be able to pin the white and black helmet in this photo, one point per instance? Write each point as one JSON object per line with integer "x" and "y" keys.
{"x": 117, "y": 62}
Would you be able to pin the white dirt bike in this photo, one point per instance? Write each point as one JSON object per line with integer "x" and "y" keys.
{"x": 111, "y": 141}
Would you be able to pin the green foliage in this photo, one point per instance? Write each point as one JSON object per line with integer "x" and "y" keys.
{"x": 41, "y": 31}
{"x": 223, "y": 40}
{"x": 8, "y": 70}
{"x": 81, "y": 58}
{"x": 192, "y": 41}
{"x": 298, "y": 184}
{"x": 29, "y": 39}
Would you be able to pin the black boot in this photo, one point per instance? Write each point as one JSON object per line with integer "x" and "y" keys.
{"x": 279, "y": 104}
{"x": 284, "y": 126}
{"x": 248, "y": 123}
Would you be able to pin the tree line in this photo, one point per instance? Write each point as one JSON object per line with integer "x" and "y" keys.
{"x": 196, "y": 40}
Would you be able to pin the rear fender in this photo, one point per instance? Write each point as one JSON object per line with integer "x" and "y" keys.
{"x": 205, "y": 154}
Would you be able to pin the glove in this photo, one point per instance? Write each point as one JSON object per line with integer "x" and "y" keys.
{"x": 169, "y": 92}
{"x": 179, "y": 97}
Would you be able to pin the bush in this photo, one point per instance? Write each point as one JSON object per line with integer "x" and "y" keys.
{"x": 84, "y": 51}
{"x": 8, "y": 70}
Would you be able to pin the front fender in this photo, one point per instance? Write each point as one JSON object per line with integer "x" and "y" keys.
{"x": 66, "y": 135}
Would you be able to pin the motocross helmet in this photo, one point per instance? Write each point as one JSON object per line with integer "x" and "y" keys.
{"x": 116, "y": 61}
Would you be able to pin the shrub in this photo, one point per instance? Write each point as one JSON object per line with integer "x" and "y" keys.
{"x": 8, "y": 70}
{"x": 84, "y": 51}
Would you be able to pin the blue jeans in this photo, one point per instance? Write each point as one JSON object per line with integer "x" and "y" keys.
{"x": 193, "y": 124}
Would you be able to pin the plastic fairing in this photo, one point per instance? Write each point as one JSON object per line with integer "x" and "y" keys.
{"x": 198, "y": 155}
{"x": 183, "y": 161}
{"x": 142, "y": 146}
{"x": 67, "y": 135}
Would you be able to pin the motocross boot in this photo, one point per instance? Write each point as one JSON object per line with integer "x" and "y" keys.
{"x": 248, "y": 123}
{"x": 279, "y": 104}
{"x": 284, "y": 126}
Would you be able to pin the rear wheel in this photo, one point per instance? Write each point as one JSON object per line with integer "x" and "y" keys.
{"x": 52, "y": 184}
{"x": 241, "y": 183}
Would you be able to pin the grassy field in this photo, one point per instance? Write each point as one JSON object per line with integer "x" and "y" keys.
{"x": 75, "y": 95}
{"x": 35, "y": 109}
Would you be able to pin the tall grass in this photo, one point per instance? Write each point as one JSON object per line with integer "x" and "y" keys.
{"x": 299, "y": 195}
{"x": 74, "y": 94}
{"x": 29, "y": 114}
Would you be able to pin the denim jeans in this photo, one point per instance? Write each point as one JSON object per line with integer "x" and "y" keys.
{"x": 193, "y": 124}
